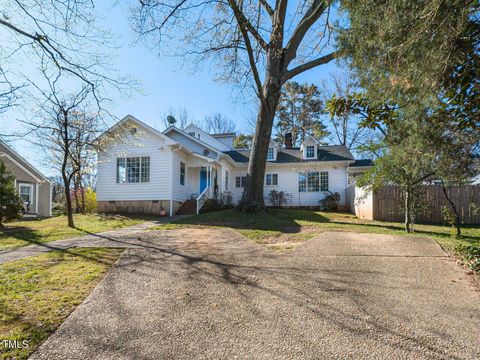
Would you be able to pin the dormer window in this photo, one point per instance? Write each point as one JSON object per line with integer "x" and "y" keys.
{"x": 271, "y": 154}
{"x": 310, "y": 153}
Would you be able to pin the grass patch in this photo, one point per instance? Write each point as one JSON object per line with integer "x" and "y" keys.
{"x": 260, "y": 236}
{"x": 294, "y": 226}
{"x": 38, "y": 293}
{"x": 22, "y": 233}
{"x": 168, "y": 226}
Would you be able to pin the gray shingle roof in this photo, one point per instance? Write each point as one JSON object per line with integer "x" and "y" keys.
{"x": 325, "y": 153}
{"x": 362, "y": 162}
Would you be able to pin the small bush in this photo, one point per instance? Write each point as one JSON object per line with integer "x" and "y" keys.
{"x": 331, "y": 202}
{"x": 58, "y": 209}
{"x": 90, "y": 201}
{"x": 224, "y": 200}
{"x": 470, "y": 254}
{"x": 278, "y": 198}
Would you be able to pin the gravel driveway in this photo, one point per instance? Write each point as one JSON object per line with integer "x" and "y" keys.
{"x": 209, "y": 293}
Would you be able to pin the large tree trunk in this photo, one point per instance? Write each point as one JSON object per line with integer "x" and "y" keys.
{"x": 68, "y": 200}
{"x": 252, "y": 199}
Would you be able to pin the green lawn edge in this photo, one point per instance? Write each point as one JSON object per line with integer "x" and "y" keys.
{"x": 38, "y": 293}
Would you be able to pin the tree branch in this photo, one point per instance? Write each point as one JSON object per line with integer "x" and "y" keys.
{"x": 311, "y": 16}
{"x": 243, "y": 21}
{"x": 309, "y": 65}
{"x": 267, "y": 7}
{"x": 252, "y": 62}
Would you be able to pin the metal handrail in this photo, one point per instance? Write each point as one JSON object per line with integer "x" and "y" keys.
{"x": 201, "y": 199}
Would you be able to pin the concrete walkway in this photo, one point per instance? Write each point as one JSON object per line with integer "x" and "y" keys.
{"x": 36, "y": 249}
{"x": 211, "y": 294}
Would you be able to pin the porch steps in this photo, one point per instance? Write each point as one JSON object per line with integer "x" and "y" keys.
{"x": 188, "y": 207}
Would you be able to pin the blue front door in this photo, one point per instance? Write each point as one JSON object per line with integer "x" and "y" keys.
{"x": 203, "y": 179}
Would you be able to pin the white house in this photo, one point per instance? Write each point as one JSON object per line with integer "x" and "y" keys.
{"x": 143, "y": 170}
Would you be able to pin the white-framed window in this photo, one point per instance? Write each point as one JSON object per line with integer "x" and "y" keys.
{"x": 145, "y": 169}
{"x": 271, "y": 153}
{"x": 25, "y": 192}
{"x": 313, "y": 181}
{"x": 271, "y": 179}
{"x": 310, "y": 153}
{"x": 324, "y": 181}
{"x": 226, "y": 180}
{"x": 182, "y": 173}
{"x": 133, "y": 169}
{"x": 240, "y": 181}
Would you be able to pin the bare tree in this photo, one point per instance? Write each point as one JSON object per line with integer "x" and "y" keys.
{"x": 59, "y": 35}
{"x": 82, "y": 152}
{"x": 252, "y": 43}
{"x": 66, "y": 134}
{"x": 218, "y": 124}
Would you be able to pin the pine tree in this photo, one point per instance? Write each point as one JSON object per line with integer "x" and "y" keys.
{"x": 299, "y": 113}
{"x": 10, "y": 204}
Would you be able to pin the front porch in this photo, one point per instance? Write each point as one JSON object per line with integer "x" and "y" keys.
{"x": 203, "y": 181}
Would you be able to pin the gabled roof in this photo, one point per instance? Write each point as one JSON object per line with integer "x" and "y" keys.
{"x": 20, "y": 161}
{"x": 133, "y": 119}
{"x": 310, "y": 139}
{"x": 217, "y": 144}
{"x": 284, "y": 156}
{"x": 174, "y": 128}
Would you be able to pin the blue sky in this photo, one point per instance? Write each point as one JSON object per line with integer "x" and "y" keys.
{"x": 164, "y": 85}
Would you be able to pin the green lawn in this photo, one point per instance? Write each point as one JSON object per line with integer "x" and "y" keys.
{"x": 21, "y": 233}
{"x": 284, "y": 227}
{"x": 38, "y": 293}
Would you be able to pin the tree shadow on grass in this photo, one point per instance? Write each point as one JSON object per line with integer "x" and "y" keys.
{"x": 291, "y": 221}
{"x": 286, "y": 221}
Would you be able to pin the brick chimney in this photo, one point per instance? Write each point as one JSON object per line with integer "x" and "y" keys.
{"x": 288, "y": 140}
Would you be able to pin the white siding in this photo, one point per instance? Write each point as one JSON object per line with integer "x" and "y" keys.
{"x": 227, "y": 141}
{"x": 226, "y": 166}
{"x": 237, "y": 192}
{"x": 180, "y": 192}
{"x": 146, "y": 144}
{"x": 288, "y": 182}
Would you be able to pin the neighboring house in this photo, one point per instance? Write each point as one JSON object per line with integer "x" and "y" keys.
{"x": 144, "y": 170}
{"x": 32, "y": 186}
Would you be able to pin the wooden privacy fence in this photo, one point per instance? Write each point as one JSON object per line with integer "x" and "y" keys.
{"x": 386, "y": 204}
